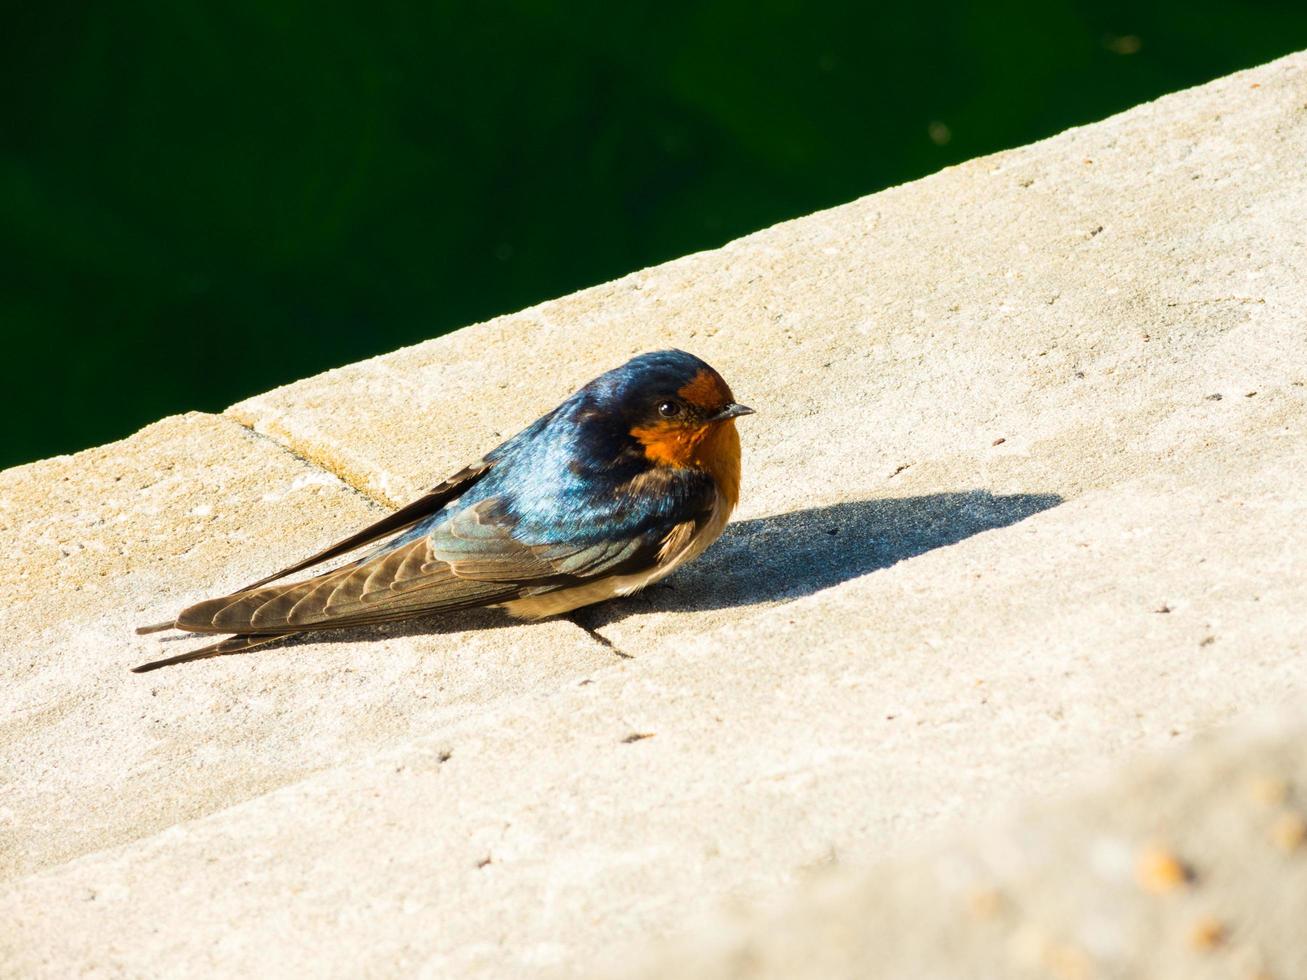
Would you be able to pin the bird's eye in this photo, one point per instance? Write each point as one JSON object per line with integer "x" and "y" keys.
{"x": 669, "y": 410}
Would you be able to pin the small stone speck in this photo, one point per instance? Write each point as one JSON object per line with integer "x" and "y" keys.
{"x": 1067, "y": 962}
{"x": 1207, "y": 933}
{"x": 1267, "y": 789}
{"x": 984, "y": 903}
{"x": 1215, "y": 397}
{"x": 1158, "y": 871}
{"x": 1289, "y": 832}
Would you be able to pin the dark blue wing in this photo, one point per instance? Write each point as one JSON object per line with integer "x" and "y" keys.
{"x": 489, "y": 541}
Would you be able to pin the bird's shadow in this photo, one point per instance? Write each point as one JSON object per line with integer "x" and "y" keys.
{"x": 786, "y": 556}
{"x": 773, "y": 559}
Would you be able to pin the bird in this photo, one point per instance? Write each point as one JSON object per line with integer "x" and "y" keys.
{"x": 630, "y": 477}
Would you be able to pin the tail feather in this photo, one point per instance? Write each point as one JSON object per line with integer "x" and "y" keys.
{"x": 156, "y": 627}
{"x": 223, "y": 648}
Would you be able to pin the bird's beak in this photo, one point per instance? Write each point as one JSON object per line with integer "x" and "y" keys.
{"x": 731, "y": 411}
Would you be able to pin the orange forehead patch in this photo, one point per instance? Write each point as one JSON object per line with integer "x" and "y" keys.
{"x": 706, "y": 390}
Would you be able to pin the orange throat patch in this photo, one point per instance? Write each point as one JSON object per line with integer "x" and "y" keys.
{"x": 713, "y": 448}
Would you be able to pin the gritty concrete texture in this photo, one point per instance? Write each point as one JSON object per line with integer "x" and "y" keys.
{"x": 1195, "y": 866}
{"x": 1023, "y": 500}
{"x": 94, "y": 756}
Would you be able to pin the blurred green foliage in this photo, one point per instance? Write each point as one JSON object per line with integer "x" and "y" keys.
{"x": 203, "y": 200}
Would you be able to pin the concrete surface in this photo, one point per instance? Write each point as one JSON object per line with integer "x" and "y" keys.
{"x": 998, "y": 535}
{"x": 1192, "y": 866}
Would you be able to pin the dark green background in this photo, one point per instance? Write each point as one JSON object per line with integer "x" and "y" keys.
{"x": 201, "y": 201}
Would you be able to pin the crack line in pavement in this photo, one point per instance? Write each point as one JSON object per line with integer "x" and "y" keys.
{"x": 309, "y": 461}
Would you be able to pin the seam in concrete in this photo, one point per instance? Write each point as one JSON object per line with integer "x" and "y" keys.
{"x": 307, "y": 460}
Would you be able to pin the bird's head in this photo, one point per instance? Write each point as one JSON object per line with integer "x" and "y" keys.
{"x": 680, "y": 412}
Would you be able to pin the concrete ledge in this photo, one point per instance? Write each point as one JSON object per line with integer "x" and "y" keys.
{"x": 1191, "y": 866}
{"x": 1023, "y": 499}
{"x": 123, "y": 535}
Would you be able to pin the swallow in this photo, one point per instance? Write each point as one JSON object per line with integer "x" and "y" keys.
{"x": 628, "y": 479}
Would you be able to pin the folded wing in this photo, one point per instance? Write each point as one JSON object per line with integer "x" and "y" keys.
{"x": 469, "y": 560}
{"x": 470, "y": 556}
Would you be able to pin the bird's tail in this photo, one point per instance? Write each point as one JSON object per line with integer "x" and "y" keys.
{"x": 225, "y": 647}
{"x": 156, "y": 627}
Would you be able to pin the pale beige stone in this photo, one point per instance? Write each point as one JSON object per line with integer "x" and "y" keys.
{"x": 1067, "y": 904}
{"x": 996, "y": 538}
{"x": 126, "y": 534}
{"x": 840, "y": 728}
